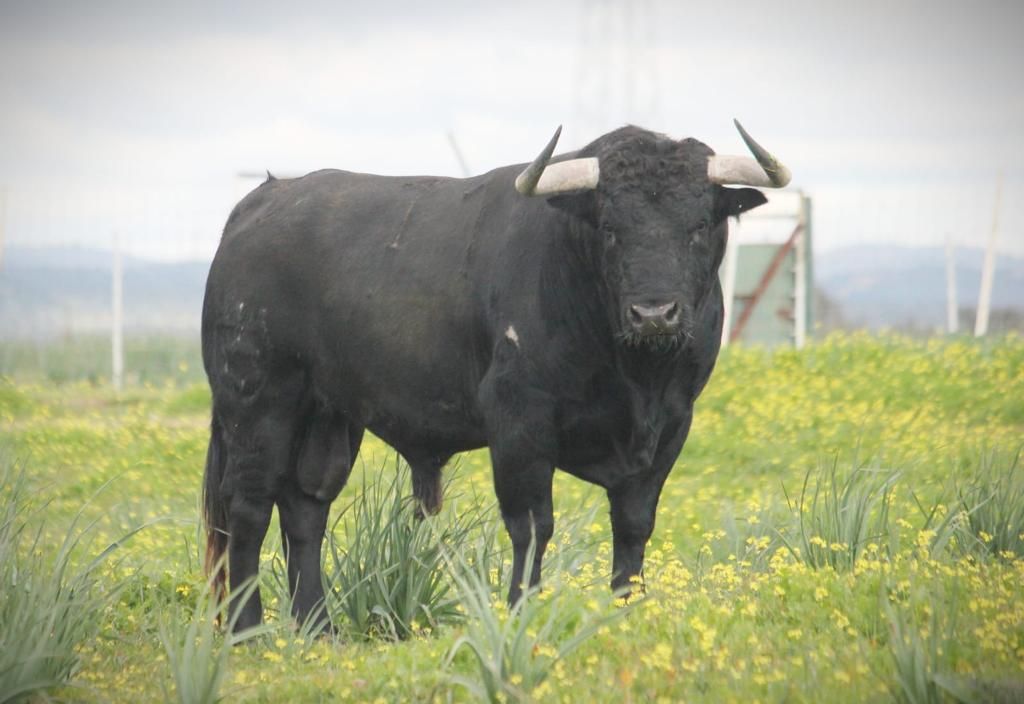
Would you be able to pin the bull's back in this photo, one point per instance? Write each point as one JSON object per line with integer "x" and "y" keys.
{"x": 363, "y": 281}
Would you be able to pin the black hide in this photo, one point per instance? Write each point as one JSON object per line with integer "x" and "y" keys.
{"x": 449, "y": 314}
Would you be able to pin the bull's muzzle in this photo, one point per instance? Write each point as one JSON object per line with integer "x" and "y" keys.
{"x": 654, "y": 320}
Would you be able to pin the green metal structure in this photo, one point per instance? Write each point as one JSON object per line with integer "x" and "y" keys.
{"x": 769, "y": 274}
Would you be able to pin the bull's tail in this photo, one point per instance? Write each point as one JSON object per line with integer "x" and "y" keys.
{"x": 215, "y": 514}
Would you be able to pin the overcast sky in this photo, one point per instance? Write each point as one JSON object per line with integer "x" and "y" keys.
{"x": 135, "y": 118}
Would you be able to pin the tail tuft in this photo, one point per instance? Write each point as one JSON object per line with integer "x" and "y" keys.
{"x": 215, "y": 514}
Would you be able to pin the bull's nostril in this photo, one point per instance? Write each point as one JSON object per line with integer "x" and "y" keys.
{"x": 672, "y": 314}
{"x": 658, "y": 319}
{"x": 636, "y": 315}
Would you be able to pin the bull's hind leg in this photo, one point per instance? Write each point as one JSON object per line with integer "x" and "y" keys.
{"x": 328, "y": 449}
{"x": 303, "y": 521}
{"x": 259, "y": 452}
{"x": 256, "y": 406}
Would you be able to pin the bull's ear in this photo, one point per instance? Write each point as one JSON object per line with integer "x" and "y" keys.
{"x": 582, "y": 205}
{"x": 733, "y": 202}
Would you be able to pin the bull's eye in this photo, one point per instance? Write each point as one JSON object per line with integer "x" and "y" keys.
{"x": 699, "y": 232}
{"x": 609, "y": 236}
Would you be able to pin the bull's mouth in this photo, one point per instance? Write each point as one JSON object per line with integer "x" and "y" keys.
{"x": 654, "y": 342}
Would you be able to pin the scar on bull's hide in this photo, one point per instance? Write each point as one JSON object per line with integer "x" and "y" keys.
{"x": 512, "y": 336}
{"x": 403, "y": 226}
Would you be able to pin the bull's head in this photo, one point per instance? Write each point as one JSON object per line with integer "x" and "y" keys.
{"x": 656, "y": 212}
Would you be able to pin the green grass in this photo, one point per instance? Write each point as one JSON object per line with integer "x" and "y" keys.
{"x": 992, "y": 503}
{"x": 836, "y": 517}
{"x": 388, "y": 580}
{"x": 901, "y": 456}
{"x": 923, "y": 659}
{"x": 509, "y": 654}
{"x": 198, "y": 651}
{"x": 148, "y": 359}
{"x": 51, "y": 607}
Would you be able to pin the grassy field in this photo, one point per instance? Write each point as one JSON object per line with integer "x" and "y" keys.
{"x": 846, "y": 523}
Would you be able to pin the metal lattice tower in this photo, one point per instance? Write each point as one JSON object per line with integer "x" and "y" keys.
{"x": 617, "y": 75}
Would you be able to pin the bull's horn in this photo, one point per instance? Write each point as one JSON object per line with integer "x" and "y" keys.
{"x": 763, "y": 171}
{"x": 543, "y": 179}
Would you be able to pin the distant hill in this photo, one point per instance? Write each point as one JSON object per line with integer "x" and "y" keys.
{"x": 46, "y": 293}
{"x": 904, "y": 287}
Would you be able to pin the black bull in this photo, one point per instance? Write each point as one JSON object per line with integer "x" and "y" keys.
{"x": 572, "y": 330}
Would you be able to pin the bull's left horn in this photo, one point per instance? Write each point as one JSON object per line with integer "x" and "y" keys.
{"x": 763, "y": 171}
{"x": 543, "y": 179}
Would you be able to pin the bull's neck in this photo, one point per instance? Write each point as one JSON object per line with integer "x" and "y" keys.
{"x": 572, "y": 285}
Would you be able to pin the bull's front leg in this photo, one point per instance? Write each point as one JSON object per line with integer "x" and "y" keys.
{"x": 521, "y": 437}
{"x": 524, "y": 495}
{"x": 634, "y": 503}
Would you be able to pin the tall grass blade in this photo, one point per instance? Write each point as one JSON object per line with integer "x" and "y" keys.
{"x": 837, "y": 515}
{"x": 50, "y": 605}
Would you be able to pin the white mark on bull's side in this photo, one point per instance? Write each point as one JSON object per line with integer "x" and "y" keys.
{"x": 241, "y": 306}
{"x": 512, "y": 336}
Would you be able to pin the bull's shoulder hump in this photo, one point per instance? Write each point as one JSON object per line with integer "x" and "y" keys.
{"x": 341, "y": 176}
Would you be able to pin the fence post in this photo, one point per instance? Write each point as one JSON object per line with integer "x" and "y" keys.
{"x": 117, "y": 326}
{"x": 952, "y": 308}
{"x": 729, "y": 287}
{"x": 988, "y": 269}
{"x": 800, "y": 282}
{"x": 3, "y": 220}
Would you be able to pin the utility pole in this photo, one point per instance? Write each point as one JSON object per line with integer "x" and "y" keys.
{"x": 988, "y": 269}
{"x": 952, "y": 308}
{"x": 3, "y": 220}
{"x": 117, "y": 327}
{"x": 616, "y": 76}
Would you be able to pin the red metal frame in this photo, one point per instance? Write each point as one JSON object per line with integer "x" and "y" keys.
{"x": 762, "y": 286}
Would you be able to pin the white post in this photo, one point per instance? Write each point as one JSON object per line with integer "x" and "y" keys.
{"x": 117, "y": 328}
{"x": 800, "y": 284}
{"x": 952, "y": 307}
{"x": 729, "y": 285}
{"x": 3, "y": 220}
{"x": 988, "y": 269}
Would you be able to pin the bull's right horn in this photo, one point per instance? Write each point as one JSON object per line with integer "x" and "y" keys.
{"x": 763, "y": 171}
{"x": 543, "y": 179}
